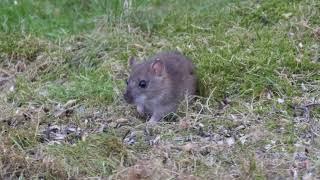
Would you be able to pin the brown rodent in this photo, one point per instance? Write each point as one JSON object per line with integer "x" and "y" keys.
{"x": 156, "y": 86}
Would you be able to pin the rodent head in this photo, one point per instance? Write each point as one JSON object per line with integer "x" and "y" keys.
{"x": 147, "y": 80}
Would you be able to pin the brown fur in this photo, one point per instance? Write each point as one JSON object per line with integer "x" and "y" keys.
{"x": 168, "y": 76}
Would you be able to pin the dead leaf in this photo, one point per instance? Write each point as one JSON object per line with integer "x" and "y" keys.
{"x": 65, "y": 110}
{"x": 70, "y": 103}
{"x": 185, "y": 123}
{"x": 142, "y": 170}
{"x": 190, "y": 147}
{"x": 122, "y": 121}
{"x": 187, "y": 177}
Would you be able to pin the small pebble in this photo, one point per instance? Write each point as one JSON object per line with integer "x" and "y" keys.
{"x": 230, "y": 141}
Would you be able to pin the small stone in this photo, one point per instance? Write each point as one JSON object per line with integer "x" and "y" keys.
{"x": 11, "y": 88}
{"x": 303, "y": 87}
{"x": 291, "y": 34}
{"x": 201, "y": 125}
{"x": 280, "y": 101}
{"x": 268, "y": 146}
{"x": 230, "y": 141}
{"x": 59, "y": 136}
{"x": 243, "y": 139}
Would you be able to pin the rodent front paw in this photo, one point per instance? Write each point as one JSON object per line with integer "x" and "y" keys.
{"x": 140, "y": 110}
{"x": 155, "y": 119}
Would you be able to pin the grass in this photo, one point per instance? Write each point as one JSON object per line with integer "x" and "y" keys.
{"x": 54, "y": 18}
{"x": 80, "y": 87}
{"x": 97, "y": 155}
{"x": 63, "y": 65}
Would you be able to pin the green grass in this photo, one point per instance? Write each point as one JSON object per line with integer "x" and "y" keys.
{"x": 14, "y": 44}
{"x": 53, "y": 18}
{"x": 93, "y": 86}
{"x": 261, "y": 55}
{"x": 98, "y": 155}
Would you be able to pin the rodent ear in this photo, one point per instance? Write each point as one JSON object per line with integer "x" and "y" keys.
{"x": 157, "y": 67}
{"x": 132, "y": 61}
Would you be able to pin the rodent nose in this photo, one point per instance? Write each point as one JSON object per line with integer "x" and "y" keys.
{"x": 127, "y": 97}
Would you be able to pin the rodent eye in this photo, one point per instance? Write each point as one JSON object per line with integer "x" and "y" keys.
{"x": 143, "y": 84}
